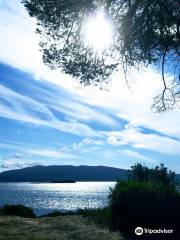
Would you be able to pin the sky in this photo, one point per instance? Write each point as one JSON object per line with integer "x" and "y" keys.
{"x": 48, "y": 118}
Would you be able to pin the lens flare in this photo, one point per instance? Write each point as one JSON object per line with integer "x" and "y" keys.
{"x": 98, "y": 32}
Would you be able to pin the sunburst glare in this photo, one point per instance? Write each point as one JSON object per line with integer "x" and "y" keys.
{"x": 98, "y": 32}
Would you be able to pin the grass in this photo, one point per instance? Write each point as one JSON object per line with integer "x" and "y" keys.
{"x": 98, "y": 216}
{"x": 67, "y": 227}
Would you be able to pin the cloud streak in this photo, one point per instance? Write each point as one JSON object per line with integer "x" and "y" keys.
{"x": 12, "y": 164}
{"x": 118, "y": 101}
{"x": 137, "y": 156}
{"x": 56, "y": 101}
{"x": 28, "y": 150}
{"x": 137, "y": 139}
{"x": 22, "y": 108}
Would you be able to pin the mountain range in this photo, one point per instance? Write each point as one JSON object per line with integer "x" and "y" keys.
{"x": 65, "y": 173}
{"x": 62, "y": 173}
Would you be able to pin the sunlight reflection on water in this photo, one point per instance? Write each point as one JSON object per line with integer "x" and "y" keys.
{"x": 48, "y": 197}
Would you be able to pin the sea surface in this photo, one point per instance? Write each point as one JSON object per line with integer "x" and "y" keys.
{"x": 44, "y": 198}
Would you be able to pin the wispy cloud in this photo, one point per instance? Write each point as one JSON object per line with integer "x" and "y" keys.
{"x": 137, "y": 139}
{"x": 86, "y": 142}
{"x": 80, "y": 111}
{"x": 119, "y": 101}
{"x": 12, "y": 164}
{"x": 137, "y": 156}
{"x": 18, "y": 41}
{"x": 25, "y": 109}
{"x": 23, "y": 150}
{"x": 49, "y": 153}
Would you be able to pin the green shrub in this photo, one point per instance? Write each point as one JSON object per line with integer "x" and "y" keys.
{"x": 59, "y": 213}
{"x": 99, "y": 216}
{"x": 147, "y": 204}
{"x": 159, "y": 174}
{"x": 17, "y": 210}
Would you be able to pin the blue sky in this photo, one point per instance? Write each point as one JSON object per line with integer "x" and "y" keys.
{"x": 47, "y": 118}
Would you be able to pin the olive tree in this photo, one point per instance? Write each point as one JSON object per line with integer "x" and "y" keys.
{"x": 144, "y": 32}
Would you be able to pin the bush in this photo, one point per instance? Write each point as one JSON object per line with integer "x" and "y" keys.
{"x": 59, "y": 213}
{"x": 159, "y": 174}
{"x": 17, "y": 210}
{"x": 99, "y": 216}
{"x": 147, "y": 204}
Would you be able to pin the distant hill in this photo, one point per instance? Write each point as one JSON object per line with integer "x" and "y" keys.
{"x": 64, "y": 172}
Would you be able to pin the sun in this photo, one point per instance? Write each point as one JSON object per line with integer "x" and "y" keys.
{"x": 98, "y": 32}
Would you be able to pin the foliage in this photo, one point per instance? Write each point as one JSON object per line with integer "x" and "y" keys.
{"x": 159, "y": 174}
{"x": 150, "y": 33}
{"x": 59, "y": 24}
{"x": 99, "y": 216}
{"x": 145, "y": 32}
{"x": 17, "y": 210}
{"x": 60, "y": 213}
{"x": 147, "y": 204}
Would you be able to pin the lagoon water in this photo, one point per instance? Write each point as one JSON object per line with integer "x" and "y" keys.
{"x": 48, "y": 197}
